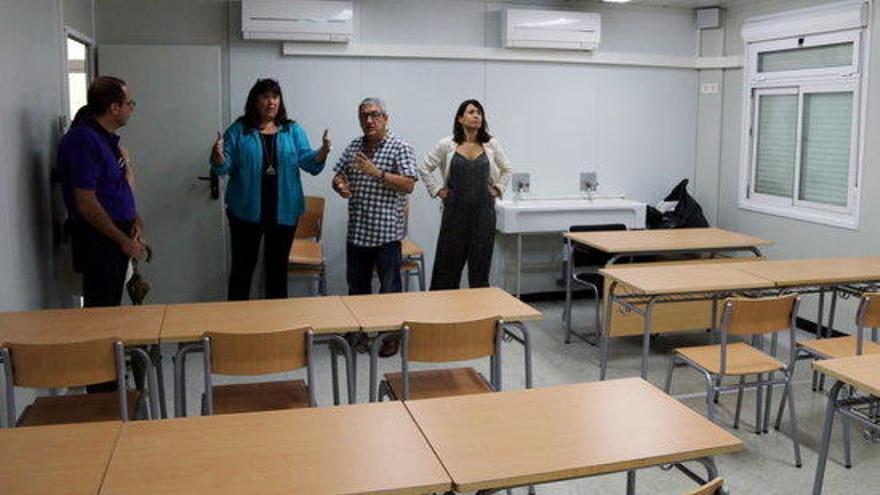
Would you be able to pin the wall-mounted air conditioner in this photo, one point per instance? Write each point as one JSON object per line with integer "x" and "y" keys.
{"x": 297, "y": 20}
{"x": 551, "y": 29}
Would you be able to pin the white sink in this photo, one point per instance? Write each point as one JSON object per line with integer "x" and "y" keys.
{"x": 558, "y": 215}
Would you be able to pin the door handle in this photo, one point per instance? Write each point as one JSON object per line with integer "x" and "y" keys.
{"x": 214, "y": 179}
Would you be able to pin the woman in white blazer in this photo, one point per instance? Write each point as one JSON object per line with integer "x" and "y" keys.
{"x": 473, "y": 172}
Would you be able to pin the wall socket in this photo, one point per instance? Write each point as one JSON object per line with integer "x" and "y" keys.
{"x": 521, "y": 182}
{"x": 589, "y": 182}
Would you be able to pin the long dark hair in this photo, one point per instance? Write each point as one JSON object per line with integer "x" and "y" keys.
{"x": 251, "y": 117}
{"x": 483, "y": 135}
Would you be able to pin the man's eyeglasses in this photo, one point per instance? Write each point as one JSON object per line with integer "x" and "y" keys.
{"x": 130, "y": 103}
{"x": 371, "y": 115}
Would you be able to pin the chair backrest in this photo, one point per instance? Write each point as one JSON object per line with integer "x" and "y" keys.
{"x": 593, "y": 257}
{"x": 73, "y": 364}
{"x": 710, "y": 488}
{"x": 450, "y": 341}
{"x": 310, "y": 222}
{"x": 258, "y": 353}
{"x": 754, "y": 316}
{"x": 868, "y": 315}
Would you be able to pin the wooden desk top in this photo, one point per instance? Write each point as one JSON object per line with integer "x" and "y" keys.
{"x": 684, "y": 278}
{"x": 68, "y": 459}
{"x": 642, "y": 241}
{"x": 188, "y": 322}
{"x": 515, "y": 438}
{"x": 862, "y": 372}
{"x": 378, "y": 312}
{"x": 360, "y": 449}
{"x": 816, "y": 271}
{"x": 134, "y": 325}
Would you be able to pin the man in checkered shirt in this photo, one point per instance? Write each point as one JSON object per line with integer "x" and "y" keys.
{"x": 375, "y": 173}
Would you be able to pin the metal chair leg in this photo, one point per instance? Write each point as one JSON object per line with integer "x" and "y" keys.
{"x": 794, "y": 428}
{"x": 739, "y": 401}
{"x": 668, "y": 385}
{"x": 767, "y": 405}
{"x": 759, "y": 394}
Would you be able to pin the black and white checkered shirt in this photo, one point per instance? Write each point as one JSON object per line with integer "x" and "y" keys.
{"x": 375, "y": 211}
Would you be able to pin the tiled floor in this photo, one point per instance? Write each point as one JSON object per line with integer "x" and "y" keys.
{"x": 766, "y": 467}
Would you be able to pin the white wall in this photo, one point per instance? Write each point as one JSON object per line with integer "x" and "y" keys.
{"x": 30, "y": 92}
{"x": 635, "y": 126}
{"x": 795, "y": 238}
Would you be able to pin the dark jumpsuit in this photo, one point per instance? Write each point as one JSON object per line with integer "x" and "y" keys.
{"x": 467, "y": 230}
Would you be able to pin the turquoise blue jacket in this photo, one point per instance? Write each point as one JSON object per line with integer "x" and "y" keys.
{"x": 243, "y": 151}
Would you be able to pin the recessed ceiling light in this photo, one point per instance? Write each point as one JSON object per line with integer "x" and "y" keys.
{"x": 616, "y": 1}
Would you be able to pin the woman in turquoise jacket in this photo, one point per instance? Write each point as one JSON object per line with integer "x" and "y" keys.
{"x": 262, "y": 152}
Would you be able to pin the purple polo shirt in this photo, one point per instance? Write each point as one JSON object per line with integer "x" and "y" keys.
{"x": 89, "y": 158}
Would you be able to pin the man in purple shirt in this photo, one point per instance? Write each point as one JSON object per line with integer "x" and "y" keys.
{"x": 95, "y": 179}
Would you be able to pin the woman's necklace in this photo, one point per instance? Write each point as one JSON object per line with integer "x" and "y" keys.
{"x": 269, "y": 151}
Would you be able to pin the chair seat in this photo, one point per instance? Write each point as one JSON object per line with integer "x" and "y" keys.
{"x": 306, "y": 252}
{"x": 742, "y": 359}
{"x": 409, "y": 248}
{"x": 264, "y": 396}
{"x": 838, "y": 347}
{"x": 409, "y": 266}
{"x": 428, "y": 384}
{"x": 81, "y": 408}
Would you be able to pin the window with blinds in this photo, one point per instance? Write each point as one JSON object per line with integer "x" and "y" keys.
{"x": 803, "y": 140}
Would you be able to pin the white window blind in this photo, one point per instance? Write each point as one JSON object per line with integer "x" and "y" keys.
{"x": 776, "y": 144}
{"x": 826, "y": 141}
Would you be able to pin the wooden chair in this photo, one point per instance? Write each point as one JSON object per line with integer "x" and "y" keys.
{"x": 306, "y": 254}
{"x": 248, "y": 354}
{"x": 445, "y": 342}
{"x": 746, "y": 317}
{"x": 52, "y": 366}
{"x": 867, "y": 316}
{"x": 413, "y": 264}
{"x": 711, "y": 488}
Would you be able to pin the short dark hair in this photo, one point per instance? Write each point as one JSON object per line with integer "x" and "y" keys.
{"x": 103, "y": 92}
{"x": 483, "y": 135}
{"x": 251, "y": 117}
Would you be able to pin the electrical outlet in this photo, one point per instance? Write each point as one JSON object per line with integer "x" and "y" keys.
{"x": 589, "y": 181}
{"x": 709, "y": 88}
{"x": 521, "y": 182}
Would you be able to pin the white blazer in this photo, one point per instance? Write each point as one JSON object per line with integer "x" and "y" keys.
{"x": 441, "y": 156}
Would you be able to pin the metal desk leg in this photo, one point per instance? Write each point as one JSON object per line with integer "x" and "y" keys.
{"x": 605, "y": 337}
{"x": 819, "y": 334}
{"x": 630, "y": 483}
{"x": 830, "y": 409}
{"x": 646, "y": 338}
{"x": 526, "y": 340}
{"x": 334, "y": 372}
{"x": 569, "y": 273}
{"x": 156, "y": 358}
{"x": 830, "y": 331}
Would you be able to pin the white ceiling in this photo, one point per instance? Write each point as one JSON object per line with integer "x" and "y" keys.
{"x": 690, "y": 4}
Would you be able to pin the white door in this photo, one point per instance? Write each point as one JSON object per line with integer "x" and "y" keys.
{"x": 178, "y": 113}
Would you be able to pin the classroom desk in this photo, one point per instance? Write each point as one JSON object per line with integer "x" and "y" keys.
{"x": 388, "y": 312}
{"x": 133, "y": 325}
{"x": 653, "y": 284}
{"x": 862, "y": 373}
{"x": 649, "y": 284}
{"x": 327, "y": 316}
{"x": 483, "y": 446}
{"x": 628, "y": 243}
{"x": 360, "y": 449}
{"x": 68, "y": 459}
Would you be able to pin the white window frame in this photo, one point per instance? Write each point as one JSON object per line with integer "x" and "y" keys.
{"x": 849, "y": 78}
{"x": 69, "y": 32}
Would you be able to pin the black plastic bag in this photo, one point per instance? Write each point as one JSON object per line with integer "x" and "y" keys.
{"x": 687, "y": 212}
